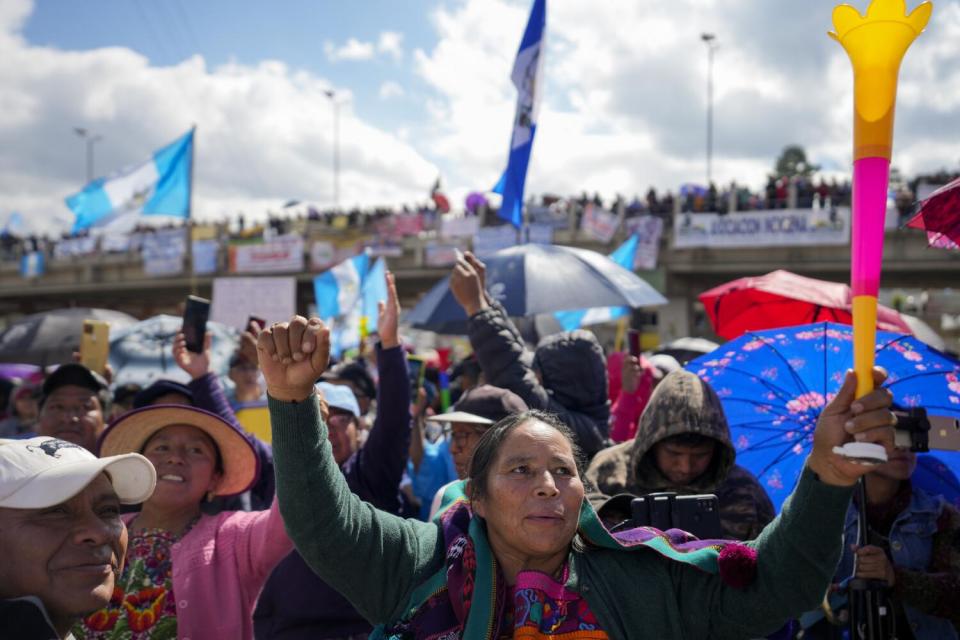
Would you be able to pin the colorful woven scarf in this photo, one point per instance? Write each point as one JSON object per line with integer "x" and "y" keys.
{"x": 469, "y": 597}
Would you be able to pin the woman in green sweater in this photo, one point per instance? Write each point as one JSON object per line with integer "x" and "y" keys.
{"x": 522, "y": 554}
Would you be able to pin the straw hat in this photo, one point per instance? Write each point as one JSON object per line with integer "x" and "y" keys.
{"x": 131, "y": 431}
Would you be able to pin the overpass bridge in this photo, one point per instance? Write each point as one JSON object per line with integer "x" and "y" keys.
{"x": 118, "y": 281}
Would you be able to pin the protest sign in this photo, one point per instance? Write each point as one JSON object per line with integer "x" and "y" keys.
{"x": 599, "y": 224}
{"x": 462, "y": 227}
{"x": 204, "y": 256}
{"x": 775, "y": 228}
{"x": 489, "y": 240}
{"x": 648, "y": 230}
{"x": 236, "y": 299}
{"x": 163, "y": 252}
{"x": 441, "y": 254}
{"x": 539, "y": 233}
{"x": 281, "y": 254}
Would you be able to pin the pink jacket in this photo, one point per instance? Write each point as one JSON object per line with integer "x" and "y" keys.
{"x": 219, "y": 568}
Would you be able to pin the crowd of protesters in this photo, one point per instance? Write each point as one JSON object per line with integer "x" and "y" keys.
{"x": 491, "y": 500}
{"x": 779, "y": 193}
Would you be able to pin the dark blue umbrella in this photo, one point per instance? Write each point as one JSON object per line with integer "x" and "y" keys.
{"x": 774, "y": 384}
{"x": 531, "y": 279}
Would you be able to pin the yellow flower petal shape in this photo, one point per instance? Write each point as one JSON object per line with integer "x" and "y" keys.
{"x": 876, "y": 45}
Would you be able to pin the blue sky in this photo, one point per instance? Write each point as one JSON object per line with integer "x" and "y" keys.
{"x": 427, "y": 92}
{"x": 293, "y": 31}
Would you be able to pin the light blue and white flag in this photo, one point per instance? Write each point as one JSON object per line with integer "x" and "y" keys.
{"x": 32, "y": 264}
{"x": 159, "y": 186}
{"x": 345, "y": 294}
{"x": 527, "y": 78}
{"x": 15, "y": 226}
{"x": 625, "y": 255}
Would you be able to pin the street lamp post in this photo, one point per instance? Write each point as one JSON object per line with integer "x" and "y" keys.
{"x": 90, "y": 138}
{"x": 330, "y": 93}
{"x": 710, "y": 40}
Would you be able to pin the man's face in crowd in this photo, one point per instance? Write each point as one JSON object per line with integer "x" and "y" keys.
{"x": 682, "y": 464}
{"x": 73, "y": 414}
{"x": 342, "y": 432}
{"x": 463, "y": 440}
{"x": 67, "y": 555}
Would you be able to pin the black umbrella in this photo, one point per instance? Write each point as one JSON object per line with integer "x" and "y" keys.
{"x": 531, "y": 279}
{"x": 51, "y": 337}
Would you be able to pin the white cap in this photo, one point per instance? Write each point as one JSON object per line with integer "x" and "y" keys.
{"x": 37, "y": 473}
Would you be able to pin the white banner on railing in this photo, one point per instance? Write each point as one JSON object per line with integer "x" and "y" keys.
{"x": 775, "y": 228}
{"x": 648, "y": 230}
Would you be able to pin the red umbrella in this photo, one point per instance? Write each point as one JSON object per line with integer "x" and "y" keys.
{"x": 939, "y": 216}
{"x": 780, "y": 299}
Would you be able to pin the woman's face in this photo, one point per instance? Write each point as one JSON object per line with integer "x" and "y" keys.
{"x": 534, "y": 494}
{"x": 185, "y": 459}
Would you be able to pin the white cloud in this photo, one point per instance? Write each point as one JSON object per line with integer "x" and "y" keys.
{"x": 352, "y": 50}
{"x": 391, "y": 44}
{"x": 625, "y": 102}
{"x": 264, "y": 132}
{"x": 390, "y": 89}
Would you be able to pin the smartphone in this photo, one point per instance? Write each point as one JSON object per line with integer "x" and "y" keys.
{"x": 417, "y": 369}
{"x": 633, "y": 342}
{"x": 255, "y": 324}
{"x": 195, "y": 315}
{"x": 95, "y": 345}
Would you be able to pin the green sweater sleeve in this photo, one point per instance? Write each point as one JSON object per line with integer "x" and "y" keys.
{"x": 373, "y": 558}
{"x": 797, "y": 555}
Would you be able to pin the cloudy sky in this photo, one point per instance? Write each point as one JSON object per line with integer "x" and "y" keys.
{"x": 424, "y": 91}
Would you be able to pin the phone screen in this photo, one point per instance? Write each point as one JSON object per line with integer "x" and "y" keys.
{"x": 195, "y": 316}
{"x": 417, "y": 369}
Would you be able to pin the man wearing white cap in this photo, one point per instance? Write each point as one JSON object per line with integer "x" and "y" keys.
{"x": 60, "y": 531}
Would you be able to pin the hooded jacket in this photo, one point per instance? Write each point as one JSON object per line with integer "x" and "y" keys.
{"x": 683, "y": 403}
{"x": 571, "y": 366}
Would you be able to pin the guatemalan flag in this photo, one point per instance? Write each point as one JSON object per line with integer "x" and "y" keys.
{"x": 32, "y": 265}
{"x": 625, "y": 256}
{"x": 159, "y": 186}
{"x": 347, "y": 295}
{"x": 526, "y": 78}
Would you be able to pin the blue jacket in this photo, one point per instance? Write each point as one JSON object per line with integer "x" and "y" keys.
{"x": 911, "y": 547}
{"x": 295, "y": 603}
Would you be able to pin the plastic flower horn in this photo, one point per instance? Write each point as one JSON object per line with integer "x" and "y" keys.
{"x": 876, "y": 45}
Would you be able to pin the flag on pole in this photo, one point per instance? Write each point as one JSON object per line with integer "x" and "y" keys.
{"x": 347, "y": 296}
{"x": 625, "y": 255}
{"x": 527, "y": 78}
{"x": 15, "y": 226}
{"x": 159, "y": 186}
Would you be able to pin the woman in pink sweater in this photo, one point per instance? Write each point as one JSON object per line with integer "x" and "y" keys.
{"x": 189, "y": 575}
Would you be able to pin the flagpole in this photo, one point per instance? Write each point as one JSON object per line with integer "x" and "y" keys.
{"x": 193, "y": 271}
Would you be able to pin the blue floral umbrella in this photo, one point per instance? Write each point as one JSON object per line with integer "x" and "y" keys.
{"x": 774, "y": 384}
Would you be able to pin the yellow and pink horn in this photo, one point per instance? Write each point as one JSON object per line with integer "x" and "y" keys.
{"x": 876, "y": 44}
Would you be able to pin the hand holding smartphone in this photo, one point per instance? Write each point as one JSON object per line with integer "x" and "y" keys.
{"x": 195, "y": 315}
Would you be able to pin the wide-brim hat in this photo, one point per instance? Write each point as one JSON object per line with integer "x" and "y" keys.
{"x": 130, "y": 432}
